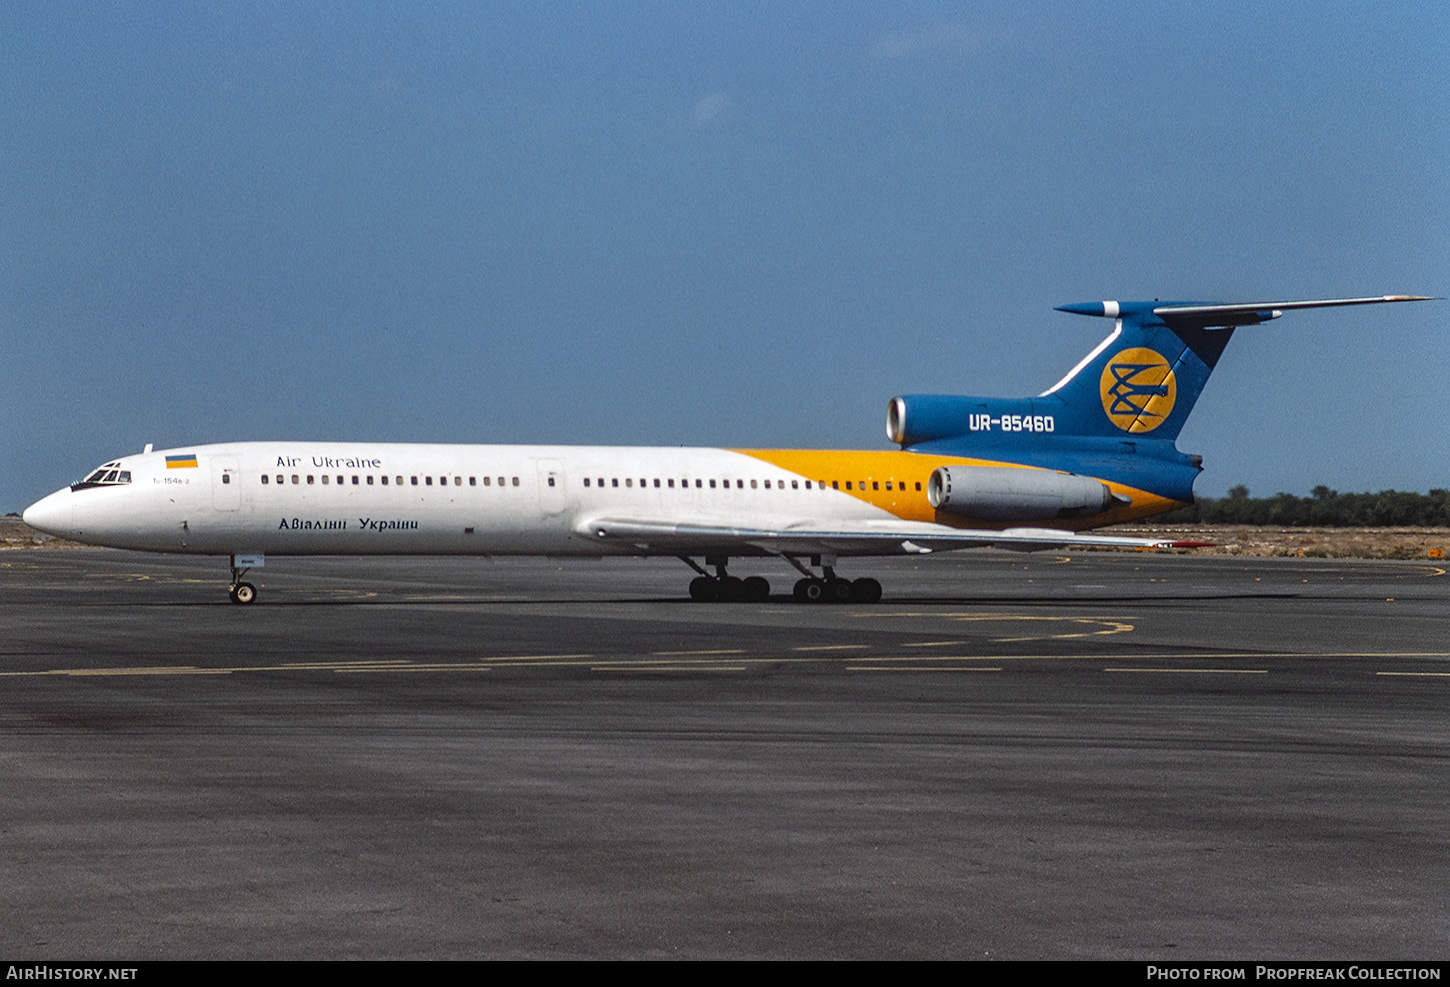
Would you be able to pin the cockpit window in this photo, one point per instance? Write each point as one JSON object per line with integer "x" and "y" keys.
{"x": 109, "y": 475}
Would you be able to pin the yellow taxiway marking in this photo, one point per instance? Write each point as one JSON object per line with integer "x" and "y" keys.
{"x": 167, "y": 670}
{"x": 1108, "y": 625}
{"x": 462, "y": 666}
{"x": 341, "y": 667}
{"x": 722, "y": 651}
{"x": 932, "y": 668}
{"x": 1197, "y": 671}
{"x": 831, "y": 647}
{"x": 1113, "y": 627}
{"x": 658, "y": 662}
{"x": 932, "y": 644}
{"x": 146, "y": 577}
{"x": 670, "y": 668}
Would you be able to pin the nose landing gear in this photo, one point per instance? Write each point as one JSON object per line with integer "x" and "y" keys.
{"x": 243, "y": 592}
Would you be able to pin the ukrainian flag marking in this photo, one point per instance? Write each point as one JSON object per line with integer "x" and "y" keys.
{"x": 187, "y": 461}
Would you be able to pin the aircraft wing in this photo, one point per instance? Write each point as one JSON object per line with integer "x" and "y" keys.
{"x": 887, "y": 538}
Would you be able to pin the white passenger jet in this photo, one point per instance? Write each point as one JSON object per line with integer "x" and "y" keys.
{"x": 1095, "y": 449}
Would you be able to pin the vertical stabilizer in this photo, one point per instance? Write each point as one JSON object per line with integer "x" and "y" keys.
{"x": 1142, "y": 380}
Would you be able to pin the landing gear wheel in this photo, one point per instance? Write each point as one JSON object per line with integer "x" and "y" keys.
{"x": 865, "y": 590}
{"x": 757, "y": 589}
{"x": 243, "y": 593}
{"x": 838, "y": 590}
{"x": 732, "y": 589}
{"x": 810, "y": 590}
{"x": 703, "y": 589}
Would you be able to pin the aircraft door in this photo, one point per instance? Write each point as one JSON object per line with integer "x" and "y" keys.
{"x": 226, "y": 483}
{"x": 551, "y": 485}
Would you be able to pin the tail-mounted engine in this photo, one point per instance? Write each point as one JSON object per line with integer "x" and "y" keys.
{"x": 1004, "y": 494}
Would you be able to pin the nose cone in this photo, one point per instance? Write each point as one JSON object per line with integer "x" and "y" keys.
{"x": 52, "y": 515}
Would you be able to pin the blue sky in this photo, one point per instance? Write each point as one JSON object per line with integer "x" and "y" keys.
{"x": 710, "y": 223}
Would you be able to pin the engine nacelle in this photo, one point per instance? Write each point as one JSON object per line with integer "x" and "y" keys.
{"x": 917, "y": 418}
{"x": 1001, "y": 493}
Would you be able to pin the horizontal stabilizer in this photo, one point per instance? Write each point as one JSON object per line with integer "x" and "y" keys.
{"x": 1202, "y": 316}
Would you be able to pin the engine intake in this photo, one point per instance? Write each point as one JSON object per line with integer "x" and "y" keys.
{"x": 1000, "y": 493}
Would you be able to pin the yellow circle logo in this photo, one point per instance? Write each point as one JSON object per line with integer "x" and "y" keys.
{"x": 1138, "y": 390}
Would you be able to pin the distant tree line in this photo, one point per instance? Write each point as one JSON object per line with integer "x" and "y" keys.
{"x": 1323, "y": 508}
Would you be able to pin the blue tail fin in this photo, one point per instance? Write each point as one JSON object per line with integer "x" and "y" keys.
{"x": 1132, "y": 392}
{"x": 1144, "y": 378}
{"x": 1116, "y": 414}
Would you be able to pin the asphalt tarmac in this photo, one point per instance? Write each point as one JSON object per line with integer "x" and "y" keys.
{"x": 1126, "y": 756}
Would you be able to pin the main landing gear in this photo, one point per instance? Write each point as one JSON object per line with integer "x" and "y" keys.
{"x": 826, "y": 588}
{"x": 726, "y": 588}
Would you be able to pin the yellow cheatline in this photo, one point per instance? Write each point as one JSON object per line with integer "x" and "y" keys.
{"x": 908, "y": 471}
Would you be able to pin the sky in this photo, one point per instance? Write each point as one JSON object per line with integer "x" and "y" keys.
{"x": 737, "y": 224}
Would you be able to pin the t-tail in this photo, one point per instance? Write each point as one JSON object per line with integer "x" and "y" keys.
{"x": 1117, "y": 413}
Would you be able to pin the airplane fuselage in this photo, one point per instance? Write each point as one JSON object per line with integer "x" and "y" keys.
{"x": 1095, "y": 449}
{"x": 324, "y": 498}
